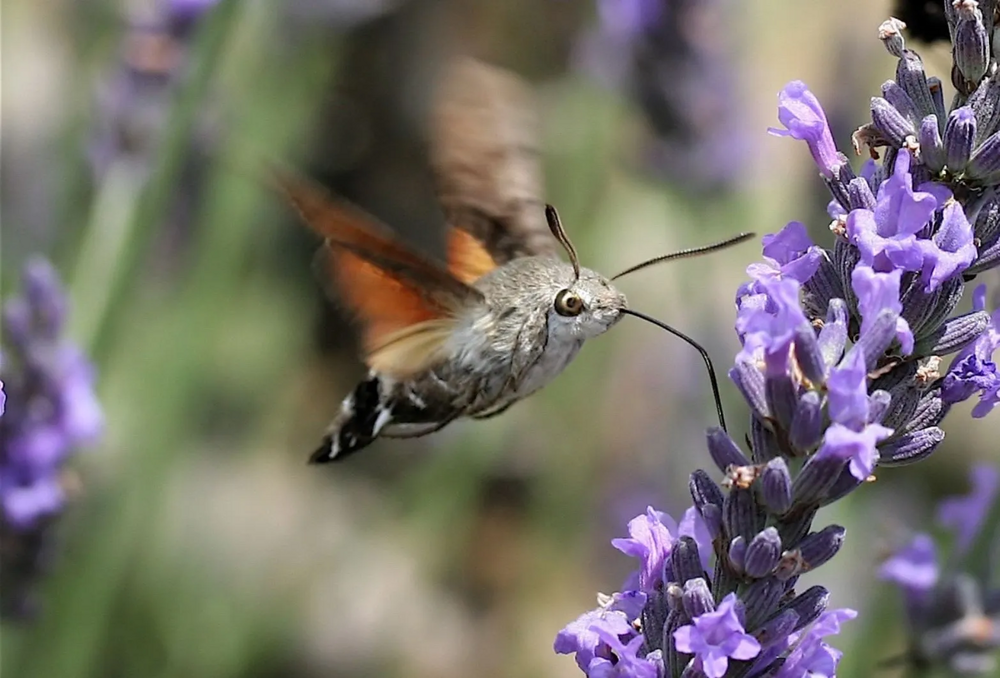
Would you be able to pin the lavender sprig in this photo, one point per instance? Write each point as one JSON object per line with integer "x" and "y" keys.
{"x": 953, "y": 613}
{"x": 840, "y": 366}
{"x": 50, "y": 411}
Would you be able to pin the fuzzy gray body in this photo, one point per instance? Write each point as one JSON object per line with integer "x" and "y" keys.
{"x": 503, "y": 350}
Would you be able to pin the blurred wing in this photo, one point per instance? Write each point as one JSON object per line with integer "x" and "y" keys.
{"x": 407, "y": 305}
{"x": 468, "y": 259}
{"x": 484, "y": 154}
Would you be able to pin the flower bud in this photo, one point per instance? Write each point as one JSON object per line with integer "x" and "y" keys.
{"x": 765, "y": 444}
{"x": 697, "y": 598}
{"x": 781, "y": 398}
{"x": 763, "y": 553}
{"x": 833, "y": 336}
{"x": 910, "y": 447}
{"x": 776, "y": 486}
{"x": 819, "y": 547}
{"x": 985, "y": 101}
{"x": 897, "y": 97}
{"x": 890, "y": 123}
{"x": 685, "y": 562}
{"x": 959, "y": 138}
{"x": 954, "y": 335}
{"x": 708, "y": 500}
{"x": 911, "y": 77}
{"x": 815, "y": 479}
{"x": 890, "y": 33}
{"x": 930, "y": 411}
{"x": 737, "y": 554}
{"x": 877, "y": 337}
{"x": 931, "y": 145}
{"x": 750, "y": 381}
{"x": 808, "y": 605}
{"x": 971, "y": 49}
{"x": 903, "y": 403}
{"x": 761, "y": 599}
{"x": 985, "y": 164}
{"x": 777, "y": 628}
{"x": 740, "y": 514}
{"x": 860, "y": 194}
{"x": 725, "y": 453}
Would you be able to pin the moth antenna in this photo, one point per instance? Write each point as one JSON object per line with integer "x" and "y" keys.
{"x": 688, "y": 253}
{"x": 704, "y": 355}
{"x": 555, "y": 225}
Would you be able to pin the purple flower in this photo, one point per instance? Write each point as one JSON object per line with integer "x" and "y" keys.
{"x": 973, "y": 370}
{"x": 914, "y": 567}
{"x": 651, "y": 538}
{"x": 887, "y": 236}
{"x": 715, "y": 637}
{"x": 878, "y": 292}
{"x": 787, "y": 254}
{"x": 965, "y": 515}
{"x": 583, "y": 636}
{"x": 813, "y": 658}
{"x": 624, "y": 660}
{"x": 50, "y": 410}
{"x": 768, "y": 320}
{"x": 628, "y": 18}
{"x": 855, "y": 447}
{"x": 848, "y": 392}
{"x": 803, "y": 117}
{"x": 950, "y": 251}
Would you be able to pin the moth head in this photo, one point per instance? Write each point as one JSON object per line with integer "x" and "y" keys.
{"x": 587, "y": 304}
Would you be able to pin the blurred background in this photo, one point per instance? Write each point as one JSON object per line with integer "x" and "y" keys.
{"x": 199, "y": 542}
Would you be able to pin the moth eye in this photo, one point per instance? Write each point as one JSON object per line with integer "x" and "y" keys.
{"x": 568, "y": 303}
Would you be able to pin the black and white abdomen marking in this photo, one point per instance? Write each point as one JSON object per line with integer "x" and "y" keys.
{"x": 376, "y": 406}
{"x": 362, "y": 414}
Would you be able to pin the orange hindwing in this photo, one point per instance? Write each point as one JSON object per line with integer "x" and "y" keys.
{"x": 407, "y": 305}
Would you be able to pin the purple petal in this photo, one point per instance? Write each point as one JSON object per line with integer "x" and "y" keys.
{"x": 914, "y": 567}
{"x": 848, "y": 393}
{"x": 803, "y": 117}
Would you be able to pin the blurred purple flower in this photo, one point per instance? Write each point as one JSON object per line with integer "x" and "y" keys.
{"x": 914, "y": 567}
{"x": 965, "y": 515}
{"x": 715, "y": 637}
{"x": 800, "y": 112}
{"x": 51, "y": 409}
{"x": 676, "y": 61}
{"x": 974, "y": 370}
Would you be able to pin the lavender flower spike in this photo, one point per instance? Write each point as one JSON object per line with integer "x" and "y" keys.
{"x": 965, "y": 515}
{"x": 803, "y": 117}
{"x": 51, "y": 409}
